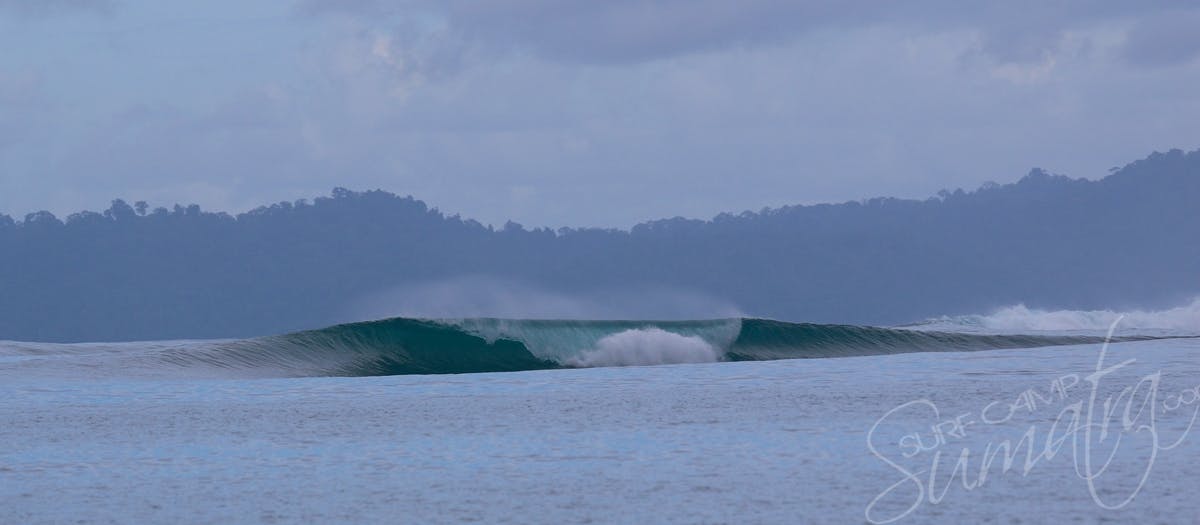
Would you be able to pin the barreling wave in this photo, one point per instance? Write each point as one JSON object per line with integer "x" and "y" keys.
{"x": 420, "y": 346}
{"x": 423, "y": 346}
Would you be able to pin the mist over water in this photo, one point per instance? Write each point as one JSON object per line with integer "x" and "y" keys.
{"x": 1019, "y": 318}
{"x": 483, "y": 296}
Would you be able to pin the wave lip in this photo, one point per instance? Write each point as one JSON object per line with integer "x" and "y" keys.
{"x": 423, "y": 346}
{"x": 401, "y": 346}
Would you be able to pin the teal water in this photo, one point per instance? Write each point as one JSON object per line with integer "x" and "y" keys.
{"x": 712, "y": 421}
{"x": 784, "y": 441}
{"x": 402, "y": 346}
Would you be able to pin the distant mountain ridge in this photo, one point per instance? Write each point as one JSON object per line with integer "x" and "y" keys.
{"x": 1127, "y": 240}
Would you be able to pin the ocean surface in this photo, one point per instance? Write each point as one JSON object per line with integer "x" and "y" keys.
{"x": 1016, "y": 417}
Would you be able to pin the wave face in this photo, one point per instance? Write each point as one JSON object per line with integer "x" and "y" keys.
{"x": 420, "y": 346}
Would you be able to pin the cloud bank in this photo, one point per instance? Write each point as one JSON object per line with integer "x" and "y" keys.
{"x": 580, "y": 113}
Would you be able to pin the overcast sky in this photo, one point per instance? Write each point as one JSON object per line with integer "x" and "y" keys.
{"x": 564, "y": 113}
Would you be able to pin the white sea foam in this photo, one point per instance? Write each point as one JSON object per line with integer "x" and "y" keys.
{"x": 1019, "y": 318}
{"x": 649, "y": 346}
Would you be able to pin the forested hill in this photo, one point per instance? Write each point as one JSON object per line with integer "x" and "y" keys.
{"x": 1131, "y": 239}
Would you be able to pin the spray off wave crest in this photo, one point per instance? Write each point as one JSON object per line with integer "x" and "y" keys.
{"x": 1182, "y": 320}
{"x": 422, "y": 346}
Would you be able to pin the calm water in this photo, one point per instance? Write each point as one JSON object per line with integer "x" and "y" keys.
{"x": 797, "y": 441}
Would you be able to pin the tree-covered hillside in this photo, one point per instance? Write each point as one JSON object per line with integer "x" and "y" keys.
{"x": 1131, "y": 239}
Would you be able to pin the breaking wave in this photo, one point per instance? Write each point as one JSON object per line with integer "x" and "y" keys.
{"x": 424, "y": 346}
{"x": 1019, "y": 318}
{"x": 649, "y": 346}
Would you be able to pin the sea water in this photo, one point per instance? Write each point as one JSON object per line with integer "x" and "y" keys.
{"x": 902, "y": 438}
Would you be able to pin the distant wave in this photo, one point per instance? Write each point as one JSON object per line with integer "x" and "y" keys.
{"x": 400, "y": 346}
{"x": 1019, "y": 318}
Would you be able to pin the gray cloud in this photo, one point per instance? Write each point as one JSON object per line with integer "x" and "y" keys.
{"x": 22, "y": 105}
{"x": 624, "y": 31}
{"x": 224, "y": 157}
{"x": 585, "y": 113}
{"x": 49, "y": 7}
{"x": 1166, "y": 38}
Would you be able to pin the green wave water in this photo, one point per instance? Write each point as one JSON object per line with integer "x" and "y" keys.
{"x": 423, "y": 346}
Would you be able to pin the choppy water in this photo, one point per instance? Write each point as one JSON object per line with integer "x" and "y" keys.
{"x": 787, "y": 441}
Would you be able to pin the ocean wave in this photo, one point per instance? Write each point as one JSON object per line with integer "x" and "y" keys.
{"x": 648, "y": 346}
{"x": 1182, "y": 320}
{"x": 401, "y": 346}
